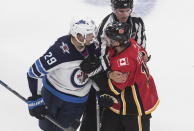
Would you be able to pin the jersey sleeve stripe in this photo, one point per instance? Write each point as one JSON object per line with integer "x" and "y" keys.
{"x": 136, "y": 100}
{"x": 34, "y": 69}
{"x": 123, "y": 102}
{"x": 40, "y": 67}
{"x": 31, "y": 73}
{"x": 112, "y": 88}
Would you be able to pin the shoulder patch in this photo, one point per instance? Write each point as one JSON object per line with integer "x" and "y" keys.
{"x": 65, "y": 48}
{"x": 123, "y": 62}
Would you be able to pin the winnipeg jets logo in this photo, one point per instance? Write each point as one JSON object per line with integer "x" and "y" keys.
{"x": 123, "y": 62}
{"x": 65, "y": 48}
{"x": 78, "y": 78}
{"x": 82, "y": 77}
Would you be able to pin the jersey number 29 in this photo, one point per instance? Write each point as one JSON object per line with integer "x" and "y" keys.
{"x": 50, "y": 59}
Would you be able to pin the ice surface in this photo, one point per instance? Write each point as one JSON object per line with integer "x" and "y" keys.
{"x": 28, "y": 28}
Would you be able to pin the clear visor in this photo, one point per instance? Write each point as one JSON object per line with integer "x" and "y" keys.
{"x": 91, "y": 36}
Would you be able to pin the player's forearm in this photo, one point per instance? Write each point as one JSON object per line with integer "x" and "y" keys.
{"x": 33, "y": 85}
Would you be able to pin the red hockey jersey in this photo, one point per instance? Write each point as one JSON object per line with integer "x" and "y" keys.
{"x": 137, "y": 95}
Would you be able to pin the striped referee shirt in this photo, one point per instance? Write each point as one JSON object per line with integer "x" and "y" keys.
{"x": 138, "y": 34}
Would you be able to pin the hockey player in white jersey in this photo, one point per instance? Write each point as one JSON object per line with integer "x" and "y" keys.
{"x": 65, "y": 87}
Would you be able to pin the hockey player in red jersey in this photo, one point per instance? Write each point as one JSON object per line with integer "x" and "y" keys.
{"x": 122, "y": 11}
{"x": 136, "y": 96}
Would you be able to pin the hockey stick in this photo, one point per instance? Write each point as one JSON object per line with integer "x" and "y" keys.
{"x": 98, "y": 120}
{"x": 71, "y": 128}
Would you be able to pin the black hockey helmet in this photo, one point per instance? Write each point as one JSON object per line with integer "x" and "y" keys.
{"x": 118, "y": 31}
{"x": 122, "y": 4}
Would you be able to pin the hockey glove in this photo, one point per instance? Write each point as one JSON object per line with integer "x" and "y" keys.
{"x": 37, "y": 107}
{"x": 91, "y": 65}
{"x": 105, "y": 100}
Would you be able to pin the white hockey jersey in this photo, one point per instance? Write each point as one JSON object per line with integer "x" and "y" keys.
{"x": 60, "y": 71}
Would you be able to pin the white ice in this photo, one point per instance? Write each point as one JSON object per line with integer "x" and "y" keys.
{"x": 28, "y": 28}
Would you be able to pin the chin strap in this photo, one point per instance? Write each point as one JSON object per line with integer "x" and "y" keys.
{"x": 82, "y": 43}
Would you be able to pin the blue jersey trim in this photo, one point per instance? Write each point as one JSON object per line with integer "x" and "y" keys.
{"x": 40, "y": 67}
{"x": 30, "y": 73}
{"x": 62, "y": 96}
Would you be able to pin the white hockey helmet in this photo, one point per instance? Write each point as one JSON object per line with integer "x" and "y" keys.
{"x": 84, "y": 27}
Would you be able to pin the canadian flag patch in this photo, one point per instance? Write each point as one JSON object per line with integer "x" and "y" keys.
{"x": 123, "y": 62}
